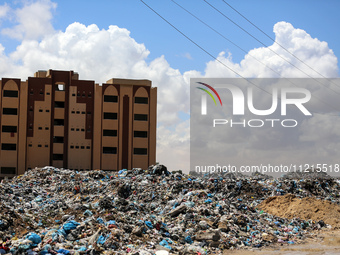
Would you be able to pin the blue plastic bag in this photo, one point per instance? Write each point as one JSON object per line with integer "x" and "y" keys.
{"x": 149, "y": 224}
{"x": 165, "y": 244}
{"x": 34, "y": 238}
{"x": 72, "y": 224}
{"x": 100, "y": 221}
{"x": 63, "y": 251}
{"x": 188, "y": 240}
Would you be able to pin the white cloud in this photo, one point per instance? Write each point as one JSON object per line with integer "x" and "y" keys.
{"x": 310, "y": 50}
{"x": 101, "y": 54}
{"x": 173, "y": 146}
{"x": 33, "y": 20}
{"x": 4, "y": 9}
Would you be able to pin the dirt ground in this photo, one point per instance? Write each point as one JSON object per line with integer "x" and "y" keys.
{"x": 289, "y": 206}
{"x": 324, "y": 243}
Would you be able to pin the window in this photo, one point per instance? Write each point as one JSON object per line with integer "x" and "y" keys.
{"x": 48, "y": 93}
{"x": 110, "y": 116}
{"x": 110, "y": 150}
{"x": 58, "y": 156}
{"x": 140, "y": 151}
{"x": 59, "y": 104}
{"x": 82, "y": 147}
{"x": 9, "y": 147}
{"x": 73, "y": 94}
{"x": 77, "y": 129}
{"x": 9, "y": 129}
{"x": 8, "y": 170}
{"x": 72, "y": 147}
{"x": 40, "y": 128}
{"x": 141, "y": 117}
{"x": 58, "y": 122}
{"x": 73, "y": 112}
{"x": 46, "y": 145}
{"x": 141, "y": 100}
{"x": 78, "y": 112}
{"x": 10, "y": 93}
{"x": 58, "y": 139}
{"x": 72, "y": 129}
{"x": 10, "y": 111}
{"x": 142, "y": 134}
{"x": 30, "y": 145}
{"x": 77, "y": 147}
{"x": 82, "y": 130}
{"x": 108, "y": 132}
{"x": 60, "y": 87}
{"x": 88, "y": 147}
{"x": 82, "y": 112}
{"x": 39, "y": 145}
{"x": 110, "y": 99}
{"x": 47, "y": 110}
{"x": 47, "y": 128}
{"x": 40, "y": 110}
{"x": 31, "y": 92}
{"x": 41, "y": 93}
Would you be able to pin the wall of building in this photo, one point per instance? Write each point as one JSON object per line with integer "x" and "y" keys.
{"x": 56, "y": 119}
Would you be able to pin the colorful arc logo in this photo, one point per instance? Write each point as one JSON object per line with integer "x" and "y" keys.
{"x": 209, "y": 93}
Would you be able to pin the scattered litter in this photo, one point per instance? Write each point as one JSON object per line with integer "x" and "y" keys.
{"x": 153, "y": 211}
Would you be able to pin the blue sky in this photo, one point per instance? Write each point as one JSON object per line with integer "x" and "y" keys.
{"x": 124, "y": 39}
{"x": 319, "y": 18}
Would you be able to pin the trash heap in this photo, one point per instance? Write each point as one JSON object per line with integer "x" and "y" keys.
{"x": 59, "y": 211}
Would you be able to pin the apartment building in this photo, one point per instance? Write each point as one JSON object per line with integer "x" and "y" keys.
{"x": 56, "y": 119}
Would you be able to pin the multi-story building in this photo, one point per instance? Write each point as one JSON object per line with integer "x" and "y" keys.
{"x": 56, "y": 119}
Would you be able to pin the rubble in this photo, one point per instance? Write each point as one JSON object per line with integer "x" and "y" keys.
{"x": 153, "y": 211}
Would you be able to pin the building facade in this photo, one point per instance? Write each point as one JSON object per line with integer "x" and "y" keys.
{"x": 56, "y": 119}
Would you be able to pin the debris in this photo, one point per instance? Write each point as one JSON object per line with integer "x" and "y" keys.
{"x": 154, "y": 211}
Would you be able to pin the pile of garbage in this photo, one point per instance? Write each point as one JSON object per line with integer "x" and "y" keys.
{"x": 307, "y": 174}
{"x": 60, "y": 211}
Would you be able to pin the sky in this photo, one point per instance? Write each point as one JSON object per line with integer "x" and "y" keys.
{"x": 125, "y": 39}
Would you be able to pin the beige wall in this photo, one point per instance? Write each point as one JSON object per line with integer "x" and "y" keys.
{"x": 109, "y": 161}
{"x": 9, "y": 158}
{"x": 141, "y": 160}
{"x": 38, "y": 146}
{"x": 79, "y": 148}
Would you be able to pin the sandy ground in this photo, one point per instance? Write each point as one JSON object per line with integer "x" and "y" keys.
{"x": 325, "y": 243}
{"x": 289, "y": 206}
